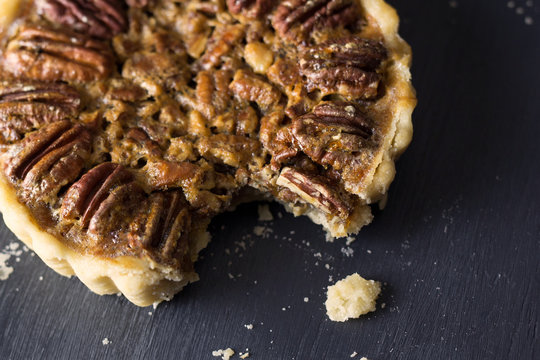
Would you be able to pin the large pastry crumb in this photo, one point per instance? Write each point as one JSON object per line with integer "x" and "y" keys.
{"x": 351, "y": 297}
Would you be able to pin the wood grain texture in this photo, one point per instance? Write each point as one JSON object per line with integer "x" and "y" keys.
{"x": 458, "y": 244}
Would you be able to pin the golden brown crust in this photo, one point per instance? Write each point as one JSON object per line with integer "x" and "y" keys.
{"x": 145, "y": 278}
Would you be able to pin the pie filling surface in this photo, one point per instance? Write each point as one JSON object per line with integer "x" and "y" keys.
{"x": 125, "y": 126}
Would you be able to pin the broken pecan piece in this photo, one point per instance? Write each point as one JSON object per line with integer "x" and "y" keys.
{"x": 220, "y": 45}
{"x": 99, "y": 18}
{"x": 163, "y": 225}
{"x": 296, "y": 19}
{"x": 85, "y": 197}
{"x": 250, "y": 87}
{"x": 251, "y": 8}
{"x": 232, "y": 150}
{"x": 346, "y": 66}
{"x": 138, "y": 3}
{"x": 314, "y": 190}
{"x": 26, "y": 106}
{"x": 45, "y": 54}
{"x": 50, "y": 158}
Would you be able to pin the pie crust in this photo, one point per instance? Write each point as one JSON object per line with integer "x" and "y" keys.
{"x": 145, "y": 280}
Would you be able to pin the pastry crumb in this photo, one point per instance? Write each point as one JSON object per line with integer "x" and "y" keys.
{"x": 225, "y": 354}
{"x": 354, "y": 354}
{"x": 106, "y": 341}
{"x": 351, "y": 297}
{"x": 306, "y": 299}
{"x": 264, "y": 213}
{"x": 5, "y": 269}
{"x": 249, "y": 326}
{"x": 244, "y": 356}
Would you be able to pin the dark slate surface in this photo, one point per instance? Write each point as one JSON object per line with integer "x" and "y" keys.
{"x": 458, "y": 244}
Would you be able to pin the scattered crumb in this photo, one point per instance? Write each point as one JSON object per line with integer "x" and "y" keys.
{"x": 383, "y": 305}
{"x": 106, "y": 341}
{"x": 5, "y": 270}
{"x": 244, "y": 356}
{"x": 349, "y": 241}
{"x": 283, "y": 309}
{"x": 41, "y": 278}
{"x": 150, "y": 313}
{"x": 306, "y": 299}
{"x": 347, "y": 251}
{"x": 354, "y": 354}
{"x": 12, "y": 249}
{"x": 262, "y": 231}
{"x": 364, "y": 358}
{"x": 264, "y": 213}
{"x": 351, "y": 297}
{"x": 249, "y": 326}
{"x": 155, "y": 305}
{"x": 327, "y": 266}
{"x": 225, "y": 354}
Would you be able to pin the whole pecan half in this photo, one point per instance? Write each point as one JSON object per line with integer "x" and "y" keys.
{"x": 346, "y": 66}
{"x": 251, "y": 8}
{"x": 27, "y": 106}
{"x": 315, "y": 190}
{"x": 163, "y": 225}
{"x": 50, "y": 158}
{"x": 296, "y": 19}
{"x": 85, "y": 198}
{"x": 46, "y": 54}
{"x": 99, "y": 18}
{"x": 338, "y": 136}
{"x": 332, "y": 127}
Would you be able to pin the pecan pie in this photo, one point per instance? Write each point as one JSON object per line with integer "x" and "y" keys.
{"x": 126, "y": 125}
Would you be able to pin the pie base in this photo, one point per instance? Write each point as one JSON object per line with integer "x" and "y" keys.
{"x": 142, "y": 280}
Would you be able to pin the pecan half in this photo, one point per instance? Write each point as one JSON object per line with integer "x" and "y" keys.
{"x": 99, "y": 18}
{"x": 314, "y": 190}
{"x": 85, "y": 197}
{"x": 296, "y": 19}
{"x": 27, "y": 106}
{"x": 163, "y": 225}
{"x": 336, "y": 135}
{"x": 346, "y": 66}
{"x": 50, "y": 158}
{"x": 251, "y": 8}
{"x": 45, "y": 54}
{"x": 331, "y": 127}
{"x": 212, "y": 95}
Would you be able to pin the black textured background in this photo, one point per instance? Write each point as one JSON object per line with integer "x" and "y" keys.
{"x": 458, "y": 244}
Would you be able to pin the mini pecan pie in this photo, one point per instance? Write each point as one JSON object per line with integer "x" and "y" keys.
{"x": 125, "y": 126}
